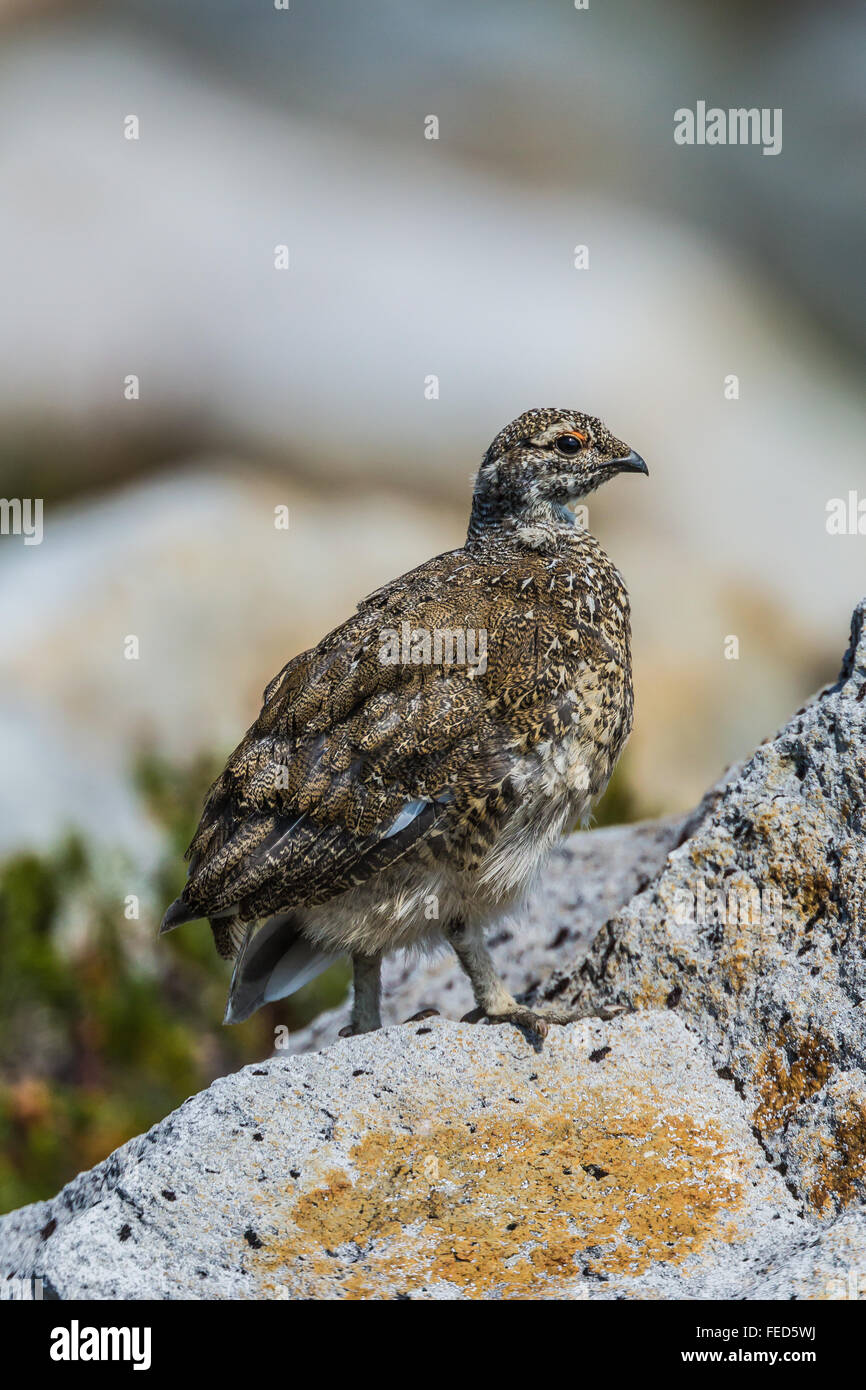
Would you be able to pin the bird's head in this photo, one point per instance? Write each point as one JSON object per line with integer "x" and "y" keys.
{"x": 541, "y": 462}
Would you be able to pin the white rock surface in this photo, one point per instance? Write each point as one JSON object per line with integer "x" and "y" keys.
{"x": 436, "y": 1160}
{"x": 709, "y": 1144}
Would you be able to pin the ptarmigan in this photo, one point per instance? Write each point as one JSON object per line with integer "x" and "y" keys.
{"x": 407, "y": 777}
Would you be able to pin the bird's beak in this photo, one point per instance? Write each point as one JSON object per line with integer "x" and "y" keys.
{"x": 630, "y": 463}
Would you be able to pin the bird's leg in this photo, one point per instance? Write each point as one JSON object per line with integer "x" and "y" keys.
{"x": 490, "y": 993}
{"x": 493, "y": 1000}
{"x": 365, "y": 1017}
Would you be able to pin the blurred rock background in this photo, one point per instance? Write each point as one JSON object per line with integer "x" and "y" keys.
{"x": 304, "y": 388}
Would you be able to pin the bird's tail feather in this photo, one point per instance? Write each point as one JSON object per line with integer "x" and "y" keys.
{"x": 274, "y": 961}
{"x": 228, "y": 935}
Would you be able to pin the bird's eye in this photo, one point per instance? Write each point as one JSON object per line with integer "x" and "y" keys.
{"x": 570, "y": 444}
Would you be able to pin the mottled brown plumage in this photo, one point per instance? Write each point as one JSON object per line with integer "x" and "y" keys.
{"x": 386, "y": 798}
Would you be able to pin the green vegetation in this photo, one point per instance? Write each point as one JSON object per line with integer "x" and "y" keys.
{"x": 103, "y": 1027}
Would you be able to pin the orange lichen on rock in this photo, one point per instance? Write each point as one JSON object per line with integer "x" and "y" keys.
{"x": 516, "y": 1205}
{"x": 791, "y": 1070}
{"x": 841, "y": 1173}
{"x": 796, "y": 859}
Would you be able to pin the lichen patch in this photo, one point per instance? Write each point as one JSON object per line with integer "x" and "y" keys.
{"x": 840, "y": 1176}
{"x": 513, "y": 1205}
{"x": 791, "y": 1070}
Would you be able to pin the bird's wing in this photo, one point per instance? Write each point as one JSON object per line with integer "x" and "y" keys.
{"x": 356, "y": 757}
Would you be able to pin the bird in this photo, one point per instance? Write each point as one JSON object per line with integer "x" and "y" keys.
{"x": 407, "y": 777}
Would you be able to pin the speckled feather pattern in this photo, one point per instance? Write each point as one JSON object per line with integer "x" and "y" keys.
{"x": 366, "y": 790}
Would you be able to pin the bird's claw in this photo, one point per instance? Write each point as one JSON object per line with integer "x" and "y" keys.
{"x": 520, "y": 1017}
{"x": 604, "y": 1013}
{"x": 538, "y": 1021}
{"x": 354, "y": 1030}
{"x": 608, "y": 1011}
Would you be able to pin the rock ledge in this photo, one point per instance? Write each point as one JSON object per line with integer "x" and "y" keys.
{"x": 710, "y": 1143}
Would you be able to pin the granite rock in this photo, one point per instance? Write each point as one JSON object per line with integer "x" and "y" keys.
{"x": 710, "y": 1142}
{"x": 754, "y": 932}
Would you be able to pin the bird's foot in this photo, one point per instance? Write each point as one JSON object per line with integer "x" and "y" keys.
{"x": 538, "y": 1021}
{"x": 605, "y": 1012}
{"x": 421, "y": 1015}
{"x": 354, "y": 1030}
{"x": 529, "y": 1019}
